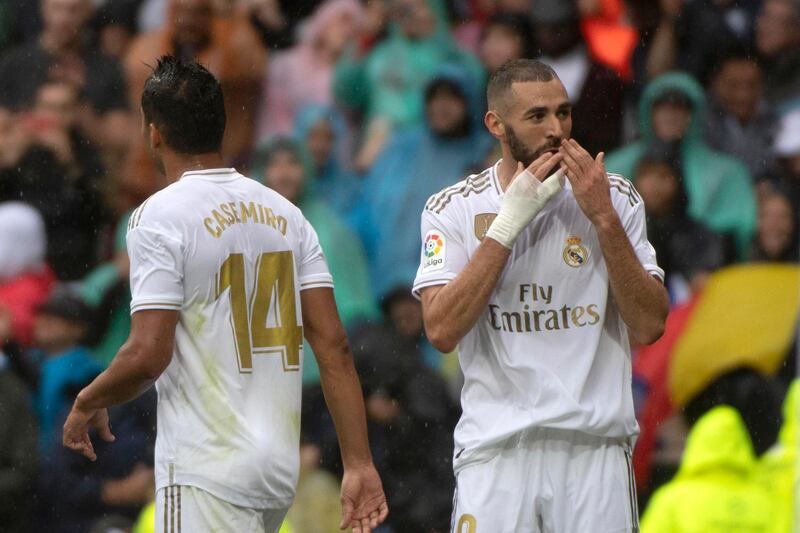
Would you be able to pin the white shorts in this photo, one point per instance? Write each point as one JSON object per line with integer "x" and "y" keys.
{"x": 182, "y": 508}
{"x": 549, "y": 481}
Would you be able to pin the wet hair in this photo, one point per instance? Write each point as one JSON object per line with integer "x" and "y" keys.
{"x": 514, "y": 71}
{"x": 184, "y": 101}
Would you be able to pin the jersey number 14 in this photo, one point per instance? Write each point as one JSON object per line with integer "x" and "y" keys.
{"x": 273, "y": 289}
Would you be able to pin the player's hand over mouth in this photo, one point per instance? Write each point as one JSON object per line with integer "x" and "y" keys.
{"x": 589, "y": 181}
{"x": 364, "y": 505}
{"x": 525, "y": 197}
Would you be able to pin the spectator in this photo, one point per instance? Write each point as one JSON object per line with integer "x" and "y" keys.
{"x": 685, "y": 249}
{"x": 316, "y": 504}
{"x": 78, "y": 493}
{"x": 388, "y": 84}
{"x": 713, "y": 490}
{"x": 25, "y": 278}
{"x": 282, "y": 167}
{"x": 18, "y": 458}
{"x": 115, "y": 26}
{"x": 473, "y": 15}
{"x": 409, "y": 416}
{"x": 755, "y": 396}
{"x": 60, "y": 327}
{"x": 277, "y": 20}
{"x": 777, "y": 468}
{"x": 718, "y": 186}
{"x": 505, "y": 36}
{"x": 323, "y": 132}
{"x": 416, "y": 163}
{"x": 594, "y": 90}
{"x": 739, "y": 121}
{"x": 776, "y": 231}
{"x": 706, "y": 26}
{"x": 787, "y": 150}
{"x": 107, "y": 291}
{"x": 302, "y": 75}
{"x": 230, "y": 49}
{"x": 778, "y": 42}
{"x": 59, "y": 173}
{"x": 609, "y": 33}
{"x": 59, "y": 53}
{"x": 23, "y": 21}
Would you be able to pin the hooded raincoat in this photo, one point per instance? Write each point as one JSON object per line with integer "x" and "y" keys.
{"x": 415, "y": 164}
{"x": 389, "y": 83}
{"x": 719, "y": 187}
{"x": 714, "y": 490}
{"x": 777, "y": 469}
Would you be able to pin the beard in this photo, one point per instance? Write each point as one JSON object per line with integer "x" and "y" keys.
{"x": 521, "y": 152}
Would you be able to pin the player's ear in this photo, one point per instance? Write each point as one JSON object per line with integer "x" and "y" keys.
{"x": 494, "y": 124}
{"x": 154, "y": 135}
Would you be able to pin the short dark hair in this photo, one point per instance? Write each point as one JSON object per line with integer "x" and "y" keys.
{"x": 184, "y": 101}
{"x": 734, "y": 53}
{"x": 517, "y": 70}
{"x": 518, "y": 24}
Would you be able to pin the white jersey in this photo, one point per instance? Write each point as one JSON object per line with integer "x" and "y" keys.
{"x": 232, "y": 257}
{"x": 550, "y": 350}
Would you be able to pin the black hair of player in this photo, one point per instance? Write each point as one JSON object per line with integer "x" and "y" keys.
{"x": 184, "y": 101}
{"x": 516, "y": 71}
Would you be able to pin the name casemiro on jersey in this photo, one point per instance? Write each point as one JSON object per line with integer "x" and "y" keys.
{"x": 242, "y": 213}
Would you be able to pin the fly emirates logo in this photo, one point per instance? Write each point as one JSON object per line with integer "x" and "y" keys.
{"x": 527, "y": 319}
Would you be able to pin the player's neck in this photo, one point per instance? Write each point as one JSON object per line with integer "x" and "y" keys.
{"x": 506, "y": 169}
{"x": 175, "y": 165}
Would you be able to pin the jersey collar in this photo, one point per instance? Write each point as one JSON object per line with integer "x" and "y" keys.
{"x": 499, "y": 190}
{"x": 211, "y": 173}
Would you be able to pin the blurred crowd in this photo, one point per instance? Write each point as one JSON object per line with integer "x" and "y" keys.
{"x": 357, "y": 111}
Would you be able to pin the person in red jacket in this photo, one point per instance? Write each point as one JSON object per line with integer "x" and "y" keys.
{"x": 25, "y": 278}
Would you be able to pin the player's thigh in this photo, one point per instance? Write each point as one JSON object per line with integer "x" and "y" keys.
{"x": 599, "y": 494}
{"x": 495, "y": 497}
{"x": 190, "y": 509}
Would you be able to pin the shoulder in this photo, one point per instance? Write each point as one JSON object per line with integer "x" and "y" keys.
{"x": 160, "y": 210}
{"x": 460, "y": 192}
{"x": 623, "y": 193}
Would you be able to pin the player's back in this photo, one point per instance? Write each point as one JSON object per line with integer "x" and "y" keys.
{"x": 231, "y": 255}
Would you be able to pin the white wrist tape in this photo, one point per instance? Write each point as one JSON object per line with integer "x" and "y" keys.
{"x": 523, "y": 200}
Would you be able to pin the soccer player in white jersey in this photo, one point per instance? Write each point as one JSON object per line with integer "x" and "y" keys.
{"x": 226, "y": 278}
{"x": 538, "y": 269}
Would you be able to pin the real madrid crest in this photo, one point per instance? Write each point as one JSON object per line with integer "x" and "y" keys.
{"x": 575, "y": 253}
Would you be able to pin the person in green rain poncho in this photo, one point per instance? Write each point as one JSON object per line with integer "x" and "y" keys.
{"x": 282, "y": 165}
{"x": 387, "y": 83}
{"x": 714, "y": 490}
{"x": 719, "y": 187}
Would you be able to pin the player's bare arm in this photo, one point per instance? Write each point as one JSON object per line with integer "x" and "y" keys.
{"x": 363, "y": 501}
{"x": 642, "y": 300}
{"x": 450, "y": 311}
{"x": 137, "y": 365}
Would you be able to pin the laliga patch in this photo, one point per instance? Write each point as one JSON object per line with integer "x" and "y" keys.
{"x": 433, "y": 251}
